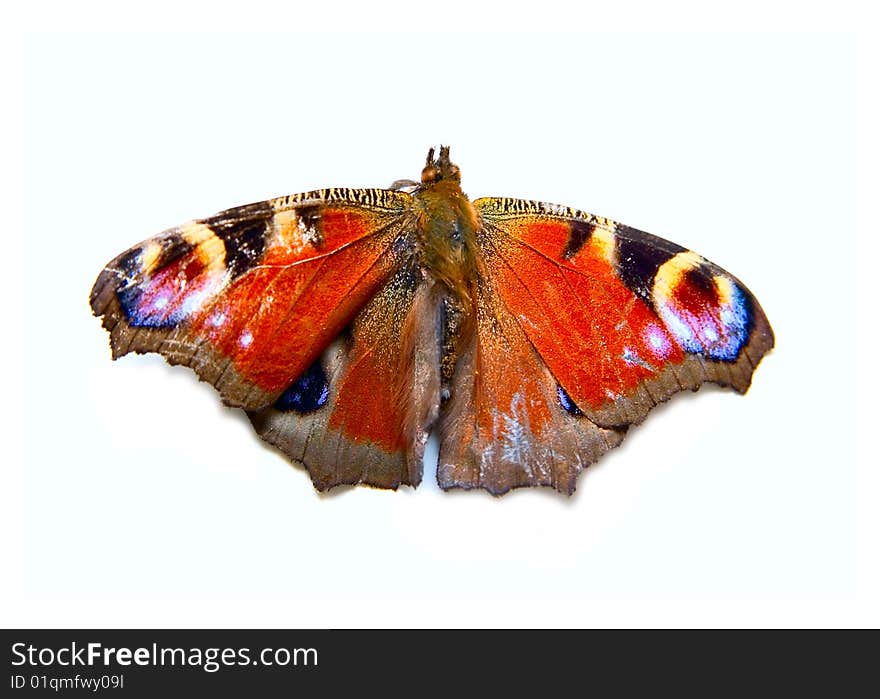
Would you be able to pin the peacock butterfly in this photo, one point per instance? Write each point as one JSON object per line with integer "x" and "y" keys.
{"x": 348, "y": 323}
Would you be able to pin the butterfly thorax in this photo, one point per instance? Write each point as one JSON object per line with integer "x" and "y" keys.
{"x": 447, "y": 227}
{"x": 447, "y": 237}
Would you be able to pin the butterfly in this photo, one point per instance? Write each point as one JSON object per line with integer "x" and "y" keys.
{"x": 349, "y": 323}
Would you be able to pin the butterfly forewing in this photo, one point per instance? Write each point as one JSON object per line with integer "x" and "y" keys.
{"x": 621, "y": 318}
{"x": 249, "y": 298}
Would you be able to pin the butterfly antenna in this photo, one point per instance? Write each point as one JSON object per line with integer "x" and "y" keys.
{"x": 442, "y": 168}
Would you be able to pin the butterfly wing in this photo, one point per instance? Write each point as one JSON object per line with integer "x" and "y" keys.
{"x": 249, "y": 298}
{"x": 308, "y": 312}
{"x": 361, "y": 413}
{"x": 503, "y": 426}
{"x": 606, "y": 322}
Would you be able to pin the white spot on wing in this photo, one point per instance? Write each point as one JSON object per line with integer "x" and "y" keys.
{"x": 657, "y": 341}
{"x": 308, "y": 233}
{"x": 516, "y": 437}
{"x": 195, "y": 300}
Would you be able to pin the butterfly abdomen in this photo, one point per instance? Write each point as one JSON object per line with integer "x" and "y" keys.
{"x": 448, "y": 253}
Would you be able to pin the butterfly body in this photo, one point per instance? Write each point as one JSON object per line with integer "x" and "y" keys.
{"x": 350, "y": 323}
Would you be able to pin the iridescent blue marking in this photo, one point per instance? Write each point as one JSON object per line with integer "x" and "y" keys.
{"x": 719, "y": 335}
{"x": 567, "y": 403}
{"x": 129, "y": 293}
{"x": 155, "y": 314}
{"x": 736, "y": 318}
{"x": 153, "y": 317}
{"x": 308, "y": 393}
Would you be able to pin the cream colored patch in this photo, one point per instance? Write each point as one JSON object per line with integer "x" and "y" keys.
{"x": 603, "y": 244}
{"x": 290, "y": 233}
{"x": 670, "y": 272}
{"x": 150, "y": 257}
{"x": 725, "y": 290}
{"x": 209, "y": 247}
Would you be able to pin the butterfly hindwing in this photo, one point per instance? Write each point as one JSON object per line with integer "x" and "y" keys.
{"x": 508, "y": 422}
{"x": 361, "y": 413}
{"x": 250, "y": 298}
{"x": 621, "y": 318}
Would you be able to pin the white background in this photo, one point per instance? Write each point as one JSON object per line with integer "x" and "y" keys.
{"x": 138, "y": 500}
